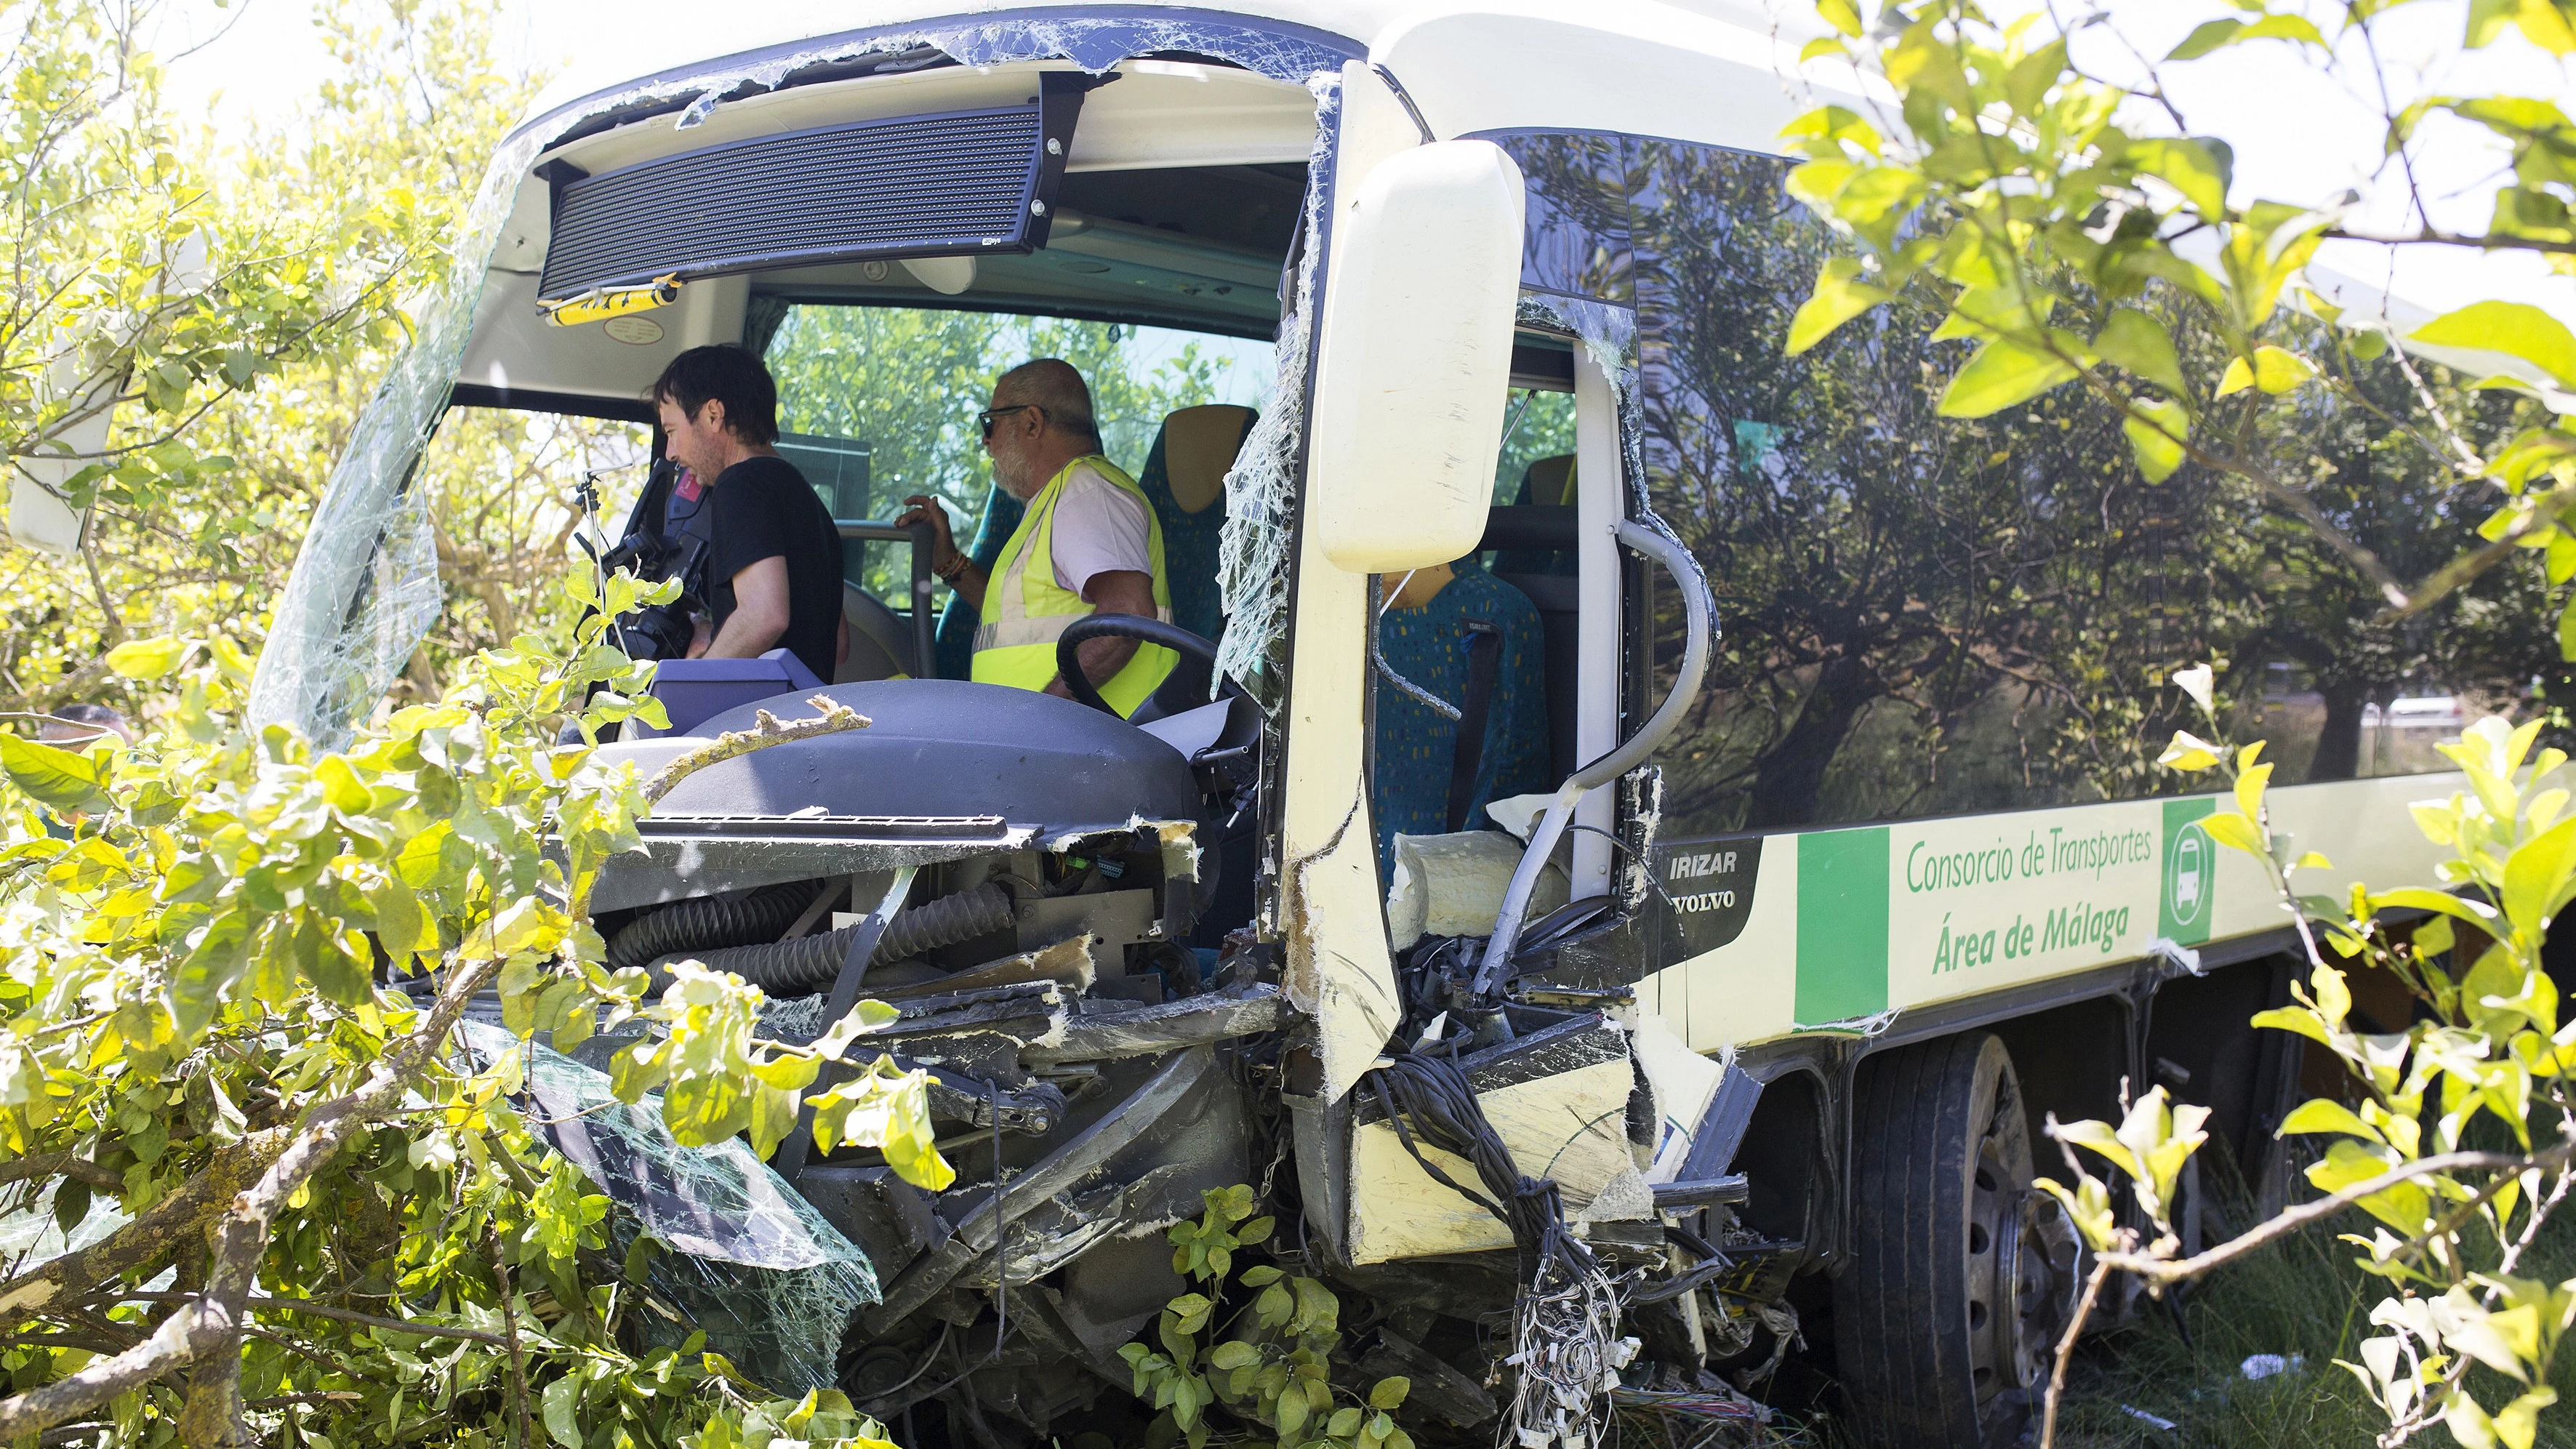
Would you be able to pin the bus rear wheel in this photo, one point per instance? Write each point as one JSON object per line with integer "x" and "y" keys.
{"x": 1947, "y": 1317}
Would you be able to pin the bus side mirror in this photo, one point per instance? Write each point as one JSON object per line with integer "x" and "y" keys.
{"x": 1415, "y": 364}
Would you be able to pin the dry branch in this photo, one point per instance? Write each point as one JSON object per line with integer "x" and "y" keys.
{"x": 2161, "y": 1271}
{"x": 770, "y": 730}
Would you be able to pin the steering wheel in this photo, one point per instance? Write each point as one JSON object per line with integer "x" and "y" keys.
{"x": 1126, "y": 626}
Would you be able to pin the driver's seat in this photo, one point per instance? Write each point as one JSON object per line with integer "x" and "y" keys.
{"x": 1184, "y": 480}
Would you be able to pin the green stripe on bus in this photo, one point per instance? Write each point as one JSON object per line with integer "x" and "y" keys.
{"x": 1842, "y": 925}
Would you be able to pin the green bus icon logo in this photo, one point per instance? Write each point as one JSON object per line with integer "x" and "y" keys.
{"x": 2187, "y": 875}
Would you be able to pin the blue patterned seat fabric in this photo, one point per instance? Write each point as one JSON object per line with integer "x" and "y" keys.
{"x": 1184, "y": 479}
{"x": 1416, "y": 748}
{"x": 954, "y": 644}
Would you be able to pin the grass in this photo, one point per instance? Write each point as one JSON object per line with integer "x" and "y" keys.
{"x": 2302, "y": 1296}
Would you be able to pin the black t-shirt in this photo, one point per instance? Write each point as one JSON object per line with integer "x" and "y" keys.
{"x": 763, "y": 508}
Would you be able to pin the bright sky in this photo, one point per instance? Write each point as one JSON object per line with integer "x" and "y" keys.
{"x": 2298, "y": 137}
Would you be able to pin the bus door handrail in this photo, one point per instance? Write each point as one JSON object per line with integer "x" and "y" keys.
{"x": 1701, "y": 614}
{"x": 925, "y": 660}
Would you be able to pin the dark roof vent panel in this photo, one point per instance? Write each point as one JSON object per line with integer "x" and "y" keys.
{"x": 960, "y": 183}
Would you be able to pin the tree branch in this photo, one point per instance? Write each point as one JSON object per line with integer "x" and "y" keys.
{"x": 259, "y": 1302}
{"x": 2552, "y": 505}
{"x": 61, "y": 1164}
{"x": 214, "y": 1321}
{"x": 160, "y": 1228}
{"x": 2162, "y": 1271}
{"x": 835, "y": 718}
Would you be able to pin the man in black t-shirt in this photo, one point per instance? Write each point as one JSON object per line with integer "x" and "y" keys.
{"x": 774, "y": 568}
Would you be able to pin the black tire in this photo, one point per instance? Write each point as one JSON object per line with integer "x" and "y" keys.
{"x": 1946, "y": 1318}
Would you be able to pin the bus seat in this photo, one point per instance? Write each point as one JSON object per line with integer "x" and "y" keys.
{"x": 1415, "y": 789}
{"x": 954, "y": 643}
{"x": 1184, "y": 478}
{"x": 880, "y": 642}
{"x": 1544, "y": 481}
{"x": 1547, "y": 577}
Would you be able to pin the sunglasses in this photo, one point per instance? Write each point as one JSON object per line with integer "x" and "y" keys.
{"x": 988, "y": 418}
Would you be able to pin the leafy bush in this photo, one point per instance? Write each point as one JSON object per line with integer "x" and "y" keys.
{"x": 233, "y": 971}
{"x": 1266, "y": 1363}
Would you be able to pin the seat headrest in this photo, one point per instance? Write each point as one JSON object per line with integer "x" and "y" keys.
{"x": 1550, "y": 480}
{"x": 1199, "y": 445}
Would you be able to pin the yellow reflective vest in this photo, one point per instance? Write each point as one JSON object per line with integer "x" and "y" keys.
{"x": 1026, "y": 611}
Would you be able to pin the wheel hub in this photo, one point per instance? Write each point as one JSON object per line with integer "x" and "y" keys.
{"x": 2021, "y": 1277}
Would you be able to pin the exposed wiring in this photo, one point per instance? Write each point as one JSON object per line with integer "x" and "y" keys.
{"x": 1565, "y": 1342}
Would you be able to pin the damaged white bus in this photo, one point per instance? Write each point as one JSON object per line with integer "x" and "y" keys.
{"x": 1695, "y": 798}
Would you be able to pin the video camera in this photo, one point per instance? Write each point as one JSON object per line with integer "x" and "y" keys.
{"x": 658, "y": 631}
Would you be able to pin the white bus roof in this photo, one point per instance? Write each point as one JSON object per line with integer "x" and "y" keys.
{"x": 1709, "y": 71}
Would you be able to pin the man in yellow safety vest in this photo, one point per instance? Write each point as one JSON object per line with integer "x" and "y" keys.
{"x": 1089, "y": 543}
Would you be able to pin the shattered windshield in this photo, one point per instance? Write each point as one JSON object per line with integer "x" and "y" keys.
{"x": 366, "y": 587}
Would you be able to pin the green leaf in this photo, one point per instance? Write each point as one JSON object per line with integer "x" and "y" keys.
{"x": 1842, "y": 15}
{"x": 2325, "y": 1115}
{"x": 1390, "y": 1392}
{"x": 341, "y": 787}
{"x": 2003, "y": 374}
{"x": 149, "y": 658}
{"x": 2274, "y": 371}
{"x": 54, "y": 777}
{"x": 337, "y": 968}
{"x": 2192, "y": 167}
{"x": 197, "y": 986}
{"x": 2236, "y": 831}
{"x": 2536, "y": 874}
{"x": 2026, "y": 85}
{"x": 2348, "y": 1162}
{"x": 2099, "y": 1137}
{"x": 2156, "y": 429}
{"x": 2516, "y": 329}
{"x": 2209, "y": 35}
{"x": 1292, "y": 1416}
{"x": 562, "y": 1400}
{"x": 2188, "y": 752}
{"x": 401, "y": 926}
{"x": 2249, "y": 789}
{"x": 2214, "y": 34}
{"x": 1840, "y": 296}
{"x": 2140, "y": 343}
{"x": 2476, "y": 913}
{"x": 2540, "y": 22}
